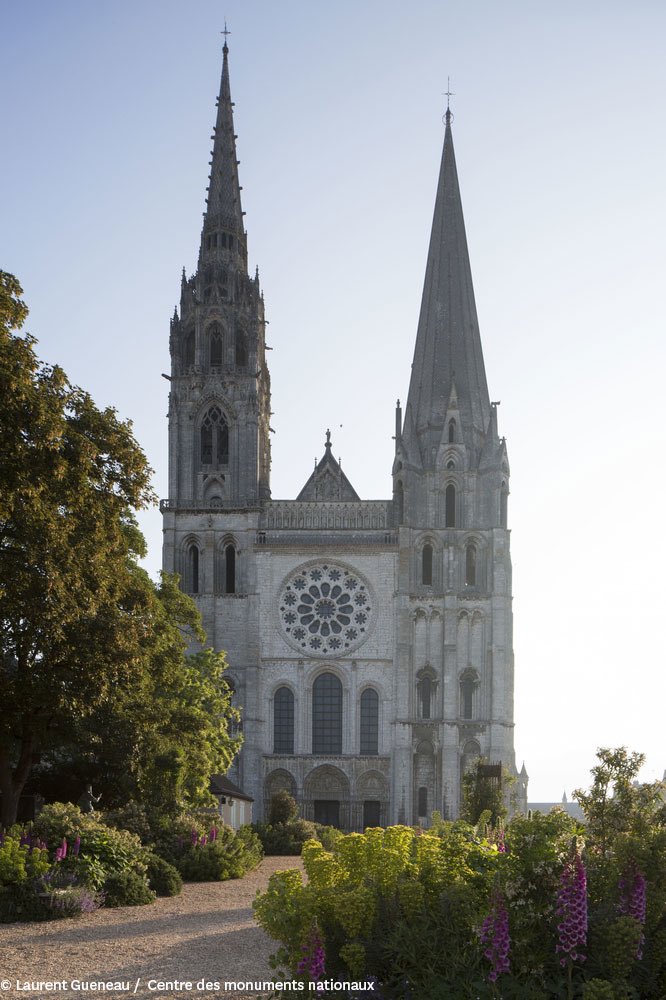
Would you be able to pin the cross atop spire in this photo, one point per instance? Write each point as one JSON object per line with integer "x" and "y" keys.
{"x": 448, "y": 94}
{"x": 225, "y": 47}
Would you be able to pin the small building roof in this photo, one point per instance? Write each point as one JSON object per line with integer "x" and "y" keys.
{"x": 221, "y": 785}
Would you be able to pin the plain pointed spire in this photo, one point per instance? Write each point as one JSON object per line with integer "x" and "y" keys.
{"x": 448, "y": 342}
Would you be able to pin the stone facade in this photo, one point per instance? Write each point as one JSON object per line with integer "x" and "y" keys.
{"x": 369, "y": 642}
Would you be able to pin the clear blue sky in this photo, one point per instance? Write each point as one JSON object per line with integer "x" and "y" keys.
{"x": 559, "y": 135}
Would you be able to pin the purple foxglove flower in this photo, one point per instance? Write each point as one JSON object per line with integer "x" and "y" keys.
{"x": 212, "y": 836}
{"x": 63, "y": 847}
{"x": 195, "y": 837}
{"x": 313, "y": 963}
{"x": 203, "y": 840}
{"x": 571, "y": 911}
{"x": 495, "y": 936}
{"x": 633, "y": 898}
{"x": 77, "y": 846}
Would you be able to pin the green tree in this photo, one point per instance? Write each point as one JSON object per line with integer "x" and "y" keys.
{"x": 163, "y": 730}
{"x": 93, "y": 671}
{"x": 617, "y": 803}
{"x": 70, "y": 477}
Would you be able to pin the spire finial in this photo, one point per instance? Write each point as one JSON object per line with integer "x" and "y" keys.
{"x": 225, "y": 47}
{"x": 328, "y": 439}
{"x": 448, "y": 94}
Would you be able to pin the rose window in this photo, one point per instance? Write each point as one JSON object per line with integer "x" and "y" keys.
{"x": 325, "y": 610}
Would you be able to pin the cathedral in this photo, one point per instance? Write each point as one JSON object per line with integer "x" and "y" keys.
{"x": 369, "y": 641}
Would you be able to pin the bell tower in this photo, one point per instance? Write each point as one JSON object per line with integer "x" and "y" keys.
{"x": 219, "y": 450}
{"x": 219, "y": 411}
{"x": 454, "y": 653}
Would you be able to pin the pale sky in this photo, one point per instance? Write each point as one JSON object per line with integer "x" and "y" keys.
{"x": 561, "y": 150}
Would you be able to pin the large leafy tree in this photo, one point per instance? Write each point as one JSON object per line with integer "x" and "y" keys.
{"x": 75, "y": 613}
{"x": 160, "y": 734}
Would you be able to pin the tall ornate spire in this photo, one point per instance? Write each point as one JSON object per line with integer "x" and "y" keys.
{"x": 448, "y": 343}
{"x": 223, "y": 218}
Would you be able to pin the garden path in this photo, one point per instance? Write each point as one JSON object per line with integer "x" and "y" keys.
{"x": 207, "y": 933}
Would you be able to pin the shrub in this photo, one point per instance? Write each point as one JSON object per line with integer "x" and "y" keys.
{"x": 127, "y": 888}
{"x": 131, "y": 817}
{"x": 163, "y": 878}
{"x": 285, "y": 838}
{"x": 389, "y": 903}
{"x": 100, "y": 845}
{"x": 230, "y": 855}
{"x": 542, "y": 910}
{"x": 20, "y": 902}
{"x": 173, "y": 835}
{"x": 282, "y": 809}
{"x": 20, "y": 860}
{"x": 63, "y": 896}
{"x": 327, "y": 836}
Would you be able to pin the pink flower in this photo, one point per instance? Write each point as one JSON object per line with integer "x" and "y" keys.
{"x": 633, "y": 898}
{"x": 571, "y": 910}
{"x": 495, "y": 936}
{"x": 313, "y": 963}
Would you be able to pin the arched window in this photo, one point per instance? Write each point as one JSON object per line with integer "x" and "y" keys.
{"x": 450, "y": 506}
{"x": 369, "y": 722}
{"x": 425, "y": 694}
{"x": 229, "y": 569}
{"x": 470, "y": 565}
{"x": 467, "y": 689}
{"x": 188, "y": 350}
{"x": 426, "y": 565}
{"x": 283, "y": 721}
{"x": 423, "y": 802}
{"x": 327, "y": 715}
{"x": 452, "y": 431}
{"x": 215, "y": 346}
{"x": 192, "y": 575}
{"x": 214, "y": 438}
{"x": 241, "y": 349}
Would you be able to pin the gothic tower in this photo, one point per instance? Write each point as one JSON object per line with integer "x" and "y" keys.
{"x": 219, "y": 409}
{"x": 369, "y": 641}
{"x": 454, "y": 657}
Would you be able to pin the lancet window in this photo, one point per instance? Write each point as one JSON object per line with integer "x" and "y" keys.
{"x": 214, "y": 438}
{"x": 283, "y": 721}
{"x": 450, "y": 506}
{"x": 369, "y": 722}
{"x": 327, "y": 715}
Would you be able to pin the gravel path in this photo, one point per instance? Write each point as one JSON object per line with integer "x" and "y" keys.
{"x": 207, "y": 933}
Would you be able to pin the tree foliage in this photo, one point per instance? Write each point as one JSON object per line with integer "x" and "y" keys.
{"x": 91, "y": 651}
{"x": 617, "y": 804}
